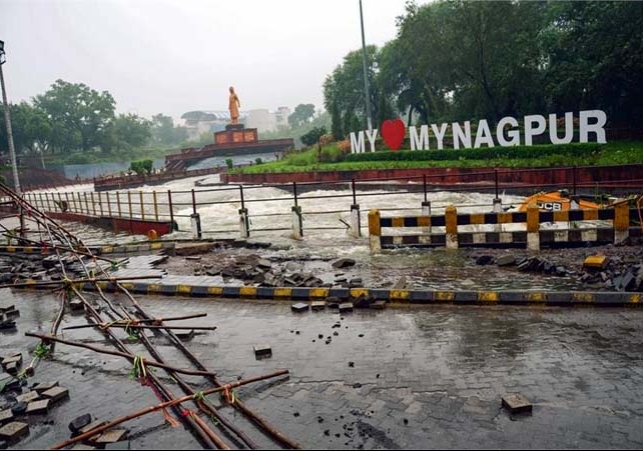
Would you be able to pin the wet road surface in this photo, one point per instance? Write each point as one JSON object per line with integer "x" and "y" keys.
{"x": 427, "y": 376}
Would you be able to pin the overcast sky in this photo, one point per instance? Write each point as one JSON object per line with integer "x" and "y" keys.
{"x": 173, "y": 56}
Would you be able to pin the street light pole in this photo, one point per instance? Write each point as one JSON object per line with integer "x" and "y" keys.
{"x": 7, "y": 120}
{"x": 369, "y": 120}
{"x": 12, "y": 151}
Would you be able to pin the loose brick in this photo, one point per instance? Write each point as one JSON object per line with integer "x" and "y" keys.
{"x": 111, "y": 436}
{"x": 29, "y": 397}
{"x": 56, "y": 394}
{"x": 6, "y": 416}
{"x": 262, "y": 350}
{"x": 299, "y": 307}
{"x": 38, "y": 407}
{"x": 516, "y": 403}
{"x": 14, "y": 432}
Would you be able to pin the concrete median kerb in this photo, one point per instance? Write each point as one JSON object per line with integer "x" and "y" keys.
{"x": 483, "y": 297}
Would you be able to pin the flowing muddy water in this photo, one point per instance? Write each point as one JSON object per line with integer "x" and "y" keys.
{"x": 326, "y": 237}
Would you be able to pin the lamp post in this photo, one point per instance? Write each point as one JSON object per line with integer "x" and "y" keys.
{"x": 369, "y": 120}
{"x": 7, "y": 120}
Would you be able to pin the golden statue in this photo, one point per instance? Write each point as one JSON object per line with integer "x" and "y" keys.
{"x": 234, "y": 106}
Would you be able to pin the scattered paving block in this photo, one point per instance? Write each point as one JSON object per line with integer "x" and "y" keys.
{"x": 15, "y": 358}
{"x": 44, "y": 386}
{"x": 111, "y": 436}
{"x": 80, "y": 422}
{"x": 11, "y": 368}
{"x": 516, "y": 403}
{"x": 38, "y": 407}
{"x": 6, "y": 416}
{"x": 595, "y": 261}
{"x": 333, "y": 302}
{"x": 83, "y": 446}
{"x": 263, "y": 350}
{"x": 299, "y": 307}
{"x": 94, "y": 425}
{"x": 56, "y": 394}
{"x": 378, "y": 305}
{"x": 318, "y": 305}
{"x": 7, "y": 307}
{"x": 345, "y": 307}
{"x": 12, "y": 314}
{"x": 76, "y": 304}
{"x": 123, "y": 444}
{"x": 29, "y": 397}
{"x": 14, "y": 432}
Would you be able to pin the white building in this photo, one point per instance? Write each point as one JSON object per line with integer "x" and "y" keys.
{"x": 265, "y": 121}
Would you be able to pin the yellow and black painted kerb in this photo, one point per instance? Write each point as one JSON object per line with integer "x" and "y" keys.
{"x": 508, "y": 297}
{"x": 97, "y": 250}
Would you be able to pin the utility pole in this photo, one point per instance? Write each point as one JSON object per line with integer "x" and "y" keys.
{"x": 369, "y": 120}
{"x": 7, "y": 120}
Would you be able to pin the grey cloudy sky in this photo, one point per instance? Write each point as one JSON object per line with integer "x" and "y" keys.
{"x": 172, "y": 56}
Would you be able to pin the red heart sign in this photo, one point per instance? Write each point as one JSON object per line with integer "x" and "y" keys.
{"x": 393, "y": 133}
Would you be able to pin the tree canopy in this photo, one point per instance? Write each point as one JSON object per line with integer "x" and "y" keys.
{"x": 459, "y": 60}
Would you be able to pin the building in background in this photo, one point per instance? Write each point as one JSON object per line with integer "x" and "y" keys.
{"x": 266, "y": 121}
{"x": 200, "y": 122}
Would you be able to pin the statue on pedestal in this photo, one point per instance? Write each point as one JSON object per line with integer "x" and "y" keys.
{"x": 234, "y": 105}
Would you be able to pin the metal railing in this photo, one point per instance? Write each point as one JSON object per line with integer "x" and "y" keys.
{"x": 245, "y": 210}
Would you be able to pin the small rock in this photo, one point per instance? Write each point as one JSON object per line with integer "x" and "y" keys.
{"x": 80, "y": 422}
{"x": 505, "y": 260}
{"x": 19, "y": 408}
{"x": 344, "y": 263}
{"x": 484, "y": 260}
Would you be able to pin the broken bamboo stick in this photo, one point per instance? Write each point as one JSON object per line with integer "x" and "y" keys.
{"x": 164, "y": 405}
{"x": 131, "y": 357}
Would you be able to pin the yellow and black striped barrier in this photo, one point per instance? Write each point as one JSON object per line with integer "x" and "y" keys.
{"x": 495, "y": 297}
{"x": 533, "y": 237}
{"x": 97, "y": 250}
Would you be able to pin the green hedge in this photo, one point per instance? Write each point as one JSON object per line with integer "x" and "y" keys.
{"x": 487, "y": 153}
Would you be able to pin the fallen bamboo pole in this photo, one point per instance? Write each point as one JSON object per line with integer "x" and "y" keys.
{"x": 203, "y": 432}
{"x": 204, "y": 405}
{"x": 154, "y": 321}
{"x": 143, "y": 326}
{"x": 238, "y": 404}
{"x": 164, "y": 405}
{"x": 131, "y": 357}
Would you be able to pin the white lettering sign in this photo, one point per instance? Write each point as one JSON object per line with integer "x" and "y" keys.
{"x": 591, "y": 122}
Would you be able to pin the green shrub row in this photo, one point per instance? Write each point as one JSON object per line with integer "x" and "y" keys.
{"x": 487, "y": 153}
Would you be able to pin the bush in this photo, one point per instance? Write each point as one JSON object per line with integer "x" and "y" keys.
{"x": 515, "y": 152}
{"x": 142, "y": 167}
{"x": 258, "y": 160}
{"x": 313, "y": 136}
{"x": 228, "y": 163}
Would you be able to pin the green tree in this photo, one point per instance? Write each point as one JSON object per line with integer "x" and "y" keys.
{"x": 312, "y": 137}
{"x": 303, "y": 113}
{"x": 595, "y": 58}
{"x": 162, "y": 129}
{"x": 344, "y": 89}
{"x": 126, "y": 131}
{"x": 81, "y": 115}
